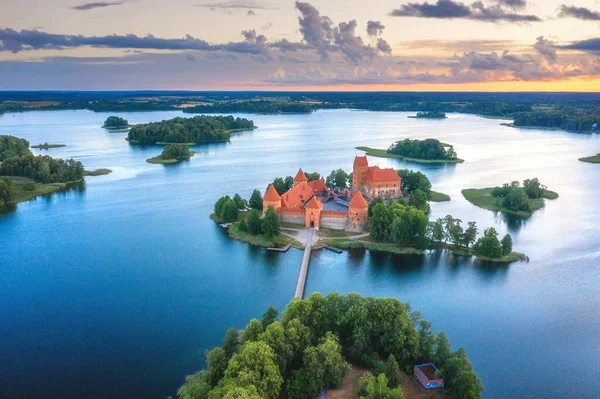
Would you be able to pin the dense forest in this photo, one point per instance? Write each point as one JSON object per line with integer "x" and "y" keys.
{"x": 254, "y": 107}
{"x": 571, "y": 111}
{"x": 309, "y": 347}
{"x": 11, "y": 146}
{"x": 428, "y": 149}
{"x": 113, "y": 122}
{"x": 43, "y": 169}
{"x": 199, "y": 129}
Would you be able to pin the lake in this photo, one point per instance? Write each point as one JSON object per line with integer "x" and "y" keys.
{"x": 117, "y": 289}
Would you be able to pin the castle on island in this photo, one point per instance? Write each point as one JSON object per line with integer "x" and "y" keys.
{"x": 310, "y": 203}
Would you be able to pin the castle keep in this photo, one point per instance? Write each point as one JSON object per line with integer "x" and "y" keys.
{"x": 303, "y": 204}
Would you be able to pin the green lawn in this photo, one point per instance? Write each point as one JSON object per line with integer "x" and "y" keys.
{"x": 374, "y": 152}
{"x": 372, "y": 246}
{"x": 439, "y": 197}
{"x": 592, "y": 159}
{"x": 483, "y": 199}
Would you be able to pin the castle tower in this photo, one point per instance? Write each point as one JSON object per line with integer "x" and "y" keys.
{"x": 358, "y": 213}
{"x": 300, "y": 177}
{"x": 359, "y": 172}
{"x": 313, "y": 213}
{"x": 271, "y": 198}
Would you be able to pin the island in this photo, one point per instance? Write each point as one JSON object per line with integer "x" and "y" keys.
{"x": 373, "y": 208}
{"x": 511, "y": 198}
{"x": 324, "y": 343}
{"x": 116, "y": 122}
{"x": 172, "y": 153}
{"x": 418, "y": 151}
{"x": 24, "y": 176}
{"x": 196, "y": 130}
{"x": 592, "y": 159}
{"x": 47, "y": 146}
{"x": 430, "y": 115}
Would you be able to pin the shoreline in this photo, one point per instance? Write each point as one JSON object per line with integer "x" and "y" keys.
{"x": 482, "y": 198}
{"x": 158, "y": 160}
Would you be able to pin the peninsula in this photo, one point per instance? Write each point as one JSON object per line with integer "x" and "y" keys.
{"x": 511, "y": 198}
{"x": 592, "y": 159}
{"x": 196, "y": 130}
{"x": 418, "y": 151}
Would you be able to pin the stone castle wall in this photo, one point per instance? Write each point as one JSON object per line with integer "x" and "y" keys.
{"x": 334, "y": 223}
{"x": 292, "y": 218}
{"x": 357, "y": 227}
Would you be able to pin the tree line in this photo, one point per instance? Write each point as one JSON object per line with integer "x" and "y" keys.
{"x": 43, "y": 169}
{"x": 11, "y": 146}
{"x": 176, "y": 151}
{"x": 429, "y": 149}
{"x": 199, "y": 129}
{"x": 254, "y": 107}
{"x": 566, "y": 118}
{"x": 307, "y": 350}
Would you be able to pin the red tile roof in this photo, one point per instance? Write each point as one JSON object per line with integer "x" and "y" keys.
{"x": 358, "y": 201}
{"x": 297, "y": 195}
{"x": 376, "y": 174}
{"x": 314, "y": 203}
{"x": 272, "y": 195}
{"x": 361, "y": 161}
{"x": 300, "y": 176}
{"x": 318, "y": 185}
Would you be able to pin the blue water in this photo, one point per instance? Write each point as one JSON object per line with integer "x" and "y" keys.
{"x": 118, "y": 288}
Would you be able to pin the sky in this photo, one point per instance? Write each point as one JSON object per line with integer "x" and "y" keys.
{"x": 399, "y": 45}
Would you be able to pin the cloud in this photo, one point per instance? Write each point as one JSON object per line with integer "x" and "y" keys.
{"x": 546, "y": 49}
{"x": 190, "y": 57}
{"x": 26, "y": 40}
{"x": 450, "y": 9}
{"x": 591, "y": 45}
{"x": 250, "y": 13}
{"x": 100, "y": 4}
{"x": 375, "y": 28}
{"x": 247, "y": 5}
{"x": 286, "y": 45}
{"x": 515, "y": 4}
{"x": 461, "y": 46}
{"x": 579, "y": 13}
{"x": 383, "y": 46}
{"x": 316, "y": 30}
{"x": 350, "y": 45}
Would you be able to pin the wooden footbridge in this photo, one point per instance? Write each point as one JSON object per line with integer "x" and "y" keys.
{"x": 304, "y": 266}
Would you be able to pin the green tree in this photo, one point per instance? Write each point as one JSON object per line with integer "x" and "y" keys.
{"x": 517, "y": 200}
{"x": 229, "y": 211}
{"x": 326, "y": 363}
{"x": 488, "y": 246}
{"x": 410, "y": 225}
{"x": 380, "y": 223}
{"x": 269, "y": 317}
{"x": 453, "y": 229}
{"x": 436, "y": 230}
{"x": 275, "y": 337}
{"x": 231, "y": 342}
{"x": 418, "y": 199}
{"x": 470, "y": 234}
{"x": 254, "y": 222}
{"x": 371, "y": 387}
{"x": 270, "y": 223}
{"x": 256, "y": 201}
{"x": 426, "y": 341}
{"x": 219, "y": 205}
{"x": 507, "y": 245}
{"x": 7, "y": 193}
{"x": 299, "y": 336}
{"x": 254, "y": 365}
{"x": 196, "y": 386}
{"x": 533, "y": 188}
{"x": 243, "y": 226}
{"x": 414, "y": 180}
{"x": 280, "y": 185}
{"x": 11, "y": 146}
{"x": 216, "y": 361}
{"x": 312, "y": 176}
{"x": 240, "y": 202}
{"x": 252, "y": 331}
{"x": 392, "y": 372}
{"x": 289, "y": 183}
{"x": 372, "y": 204}
{"x": 115, "y": 122}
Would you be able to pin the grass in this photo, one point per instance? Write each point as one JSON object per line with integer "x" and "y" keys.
{"x": 510, "y": 258}
{"x": 22, "y": 195}
{"x": 257, "y": 240}
{"x": 97, "y": 172}
{"x": 327, "y": 233}
{"x": 46, "y": 146}
{"x": 592, "y": 159}
{"x": 439, "y": 197}
{"x": 483, "y": 198}
{"x": 159, "y": 160}
{"x": 372, "y": 246}
{"x": 374, "y": 152}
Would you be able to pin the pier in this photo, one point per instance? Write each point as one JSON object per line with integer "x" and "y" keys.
{"x": 304, "y": 266}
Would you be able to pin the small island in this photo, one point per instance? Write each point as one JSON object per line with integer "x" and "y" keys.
{"x": 116, "y": 122}
{"x": 172, "y": 153}
{"x": 47, "y": 146}
{"x": 511, "y": 198}
{"x": 190, "y": 131}
{"x": 418, "y": 151}
{"x": 430, "y": 115}
{"x": 592, "y": 159}
{"x": 97, "y": 172}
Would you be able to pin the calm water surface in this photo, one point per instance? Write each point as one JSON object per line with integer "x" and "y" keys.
{"x": 116, "y": 289}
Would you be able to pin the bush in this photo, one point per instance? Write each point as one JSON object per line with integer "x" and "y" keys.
{"x": 29, "y": 186}
{"x": 254, "y": 223}
{"x": 270, "y": 223}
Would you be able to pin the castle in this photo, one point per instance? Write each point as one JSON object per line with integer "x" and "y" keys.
{"x": 301, "y": 204}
